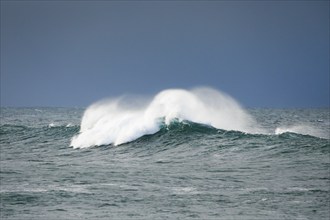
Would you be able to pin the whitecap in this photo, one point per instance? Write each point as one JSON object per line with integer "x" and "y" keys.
{"x": 51, "y": 125}
{"x": 300, "y": 129}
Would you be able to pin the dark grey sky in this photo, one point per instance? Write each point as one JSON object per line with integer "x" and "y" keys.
{"x": 72, "y": 53}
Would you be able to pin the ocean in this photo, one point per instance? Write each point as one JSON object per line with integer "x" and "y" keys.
{"x": 106, "y": 162}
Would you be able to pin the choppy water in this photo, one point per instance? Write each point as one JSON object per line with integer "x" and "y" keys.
{"x": 183, "y": 171}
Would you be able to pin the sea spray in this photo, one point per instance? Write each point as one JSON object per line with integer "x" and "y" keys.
{"x": 118, "y": 121}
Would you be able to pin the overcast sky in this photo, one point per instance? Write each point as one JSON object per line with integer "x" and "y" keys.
{"x": 72, "y": 53}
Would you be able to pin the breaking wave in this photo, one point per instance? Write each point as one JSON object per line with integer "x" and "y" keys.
{"x": 124, "y": 119}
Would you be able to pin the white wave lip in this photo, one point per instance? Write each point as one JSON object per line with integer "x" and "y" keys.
{"x": 118, "y": 121}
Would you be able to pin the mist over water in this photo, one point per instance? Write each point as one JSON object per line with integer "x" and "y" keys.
{"x": 118, "y": 120}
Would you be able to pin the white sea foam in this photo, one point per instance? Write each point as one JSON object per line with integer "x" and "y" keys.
{"x": 51, "y": 125}
{"x": 120, "y": 120}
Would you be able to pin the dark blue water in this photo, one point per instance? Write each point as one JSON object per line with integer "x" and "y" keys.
{"x": 184, "y": 171}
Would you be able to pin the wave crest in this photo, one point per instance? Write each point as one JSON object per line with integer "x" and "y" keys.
{"x": 301, "y": 129}
{"x": 120, "y": 120}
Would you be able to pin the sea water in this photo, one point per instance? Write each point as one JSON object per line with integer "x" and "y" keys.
{"x": 181, "y": 154}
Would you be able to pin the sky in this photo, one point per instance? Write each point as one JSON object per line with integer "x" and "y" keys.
{"x": 73, "y": 53}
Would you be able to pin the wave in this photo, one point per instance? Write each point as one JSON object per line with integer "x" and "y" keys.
{"x": 54, "y": 125}
{"x": 22, "y": 132}
{"x": 124, "y": 119}
{"x": 302, "y": 130}
{"x": 12, "y": 129}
